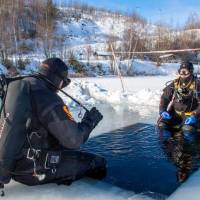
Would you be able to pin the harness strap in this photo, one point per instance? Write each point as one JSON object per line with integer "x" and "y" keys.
{"x": 191, "y": 85}
{"x": 32, "y": 153}
{"x": 43, "y": 160}
{"x": 183, "y": 113}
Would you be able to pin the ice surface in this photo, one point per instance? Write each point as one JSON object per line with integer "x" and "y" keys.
{"x": 190, "y": 190}
{"x": 85, "y": 189}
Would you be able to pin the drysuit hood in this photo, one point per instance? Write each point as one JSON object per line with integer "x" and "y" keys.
{"x": 186, "y": 67}
{"x": 56, "y": 71}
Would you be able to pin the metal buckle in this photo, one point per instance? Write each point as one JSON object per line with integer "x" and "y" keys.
{"x": 34, "y": 133}
{"x": 51, "y": 160}
{"x": 53, "y": 171}
{"x": 45, "y": 163}
{"x": 35, "y": 152}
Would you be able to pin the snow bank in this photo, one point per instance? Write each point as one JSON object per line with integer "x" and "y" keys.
{"x": 92, "y": 94}
{"x": 143, "y": 67}
{"x": 150, "y": 68}
{"x": 127, "y": 67}
{"x": 138, "y": 104}
{"x": 132, "y": 68}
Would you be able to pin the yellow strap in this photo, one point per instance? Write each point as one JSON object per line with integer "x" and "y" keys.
{"x": 177, "y": 85}
{"x": 184, "y": 113}
{"x": 192, "y": 86}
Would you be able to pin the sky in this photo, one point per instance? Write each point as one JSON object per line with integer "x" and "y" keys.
{"x": 174, "y": 12}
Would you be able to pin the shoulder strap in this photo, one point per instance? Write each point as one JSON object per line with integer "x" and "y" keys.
{"x": 30, "y": 121}
{"x": 35, "y": 121}
{"x": 176, "y": 84}
{"x": 33, "y": 105}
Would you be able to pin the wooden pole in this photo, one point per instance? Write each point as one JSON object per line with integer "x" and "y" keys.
{"x": 117, "y": 67}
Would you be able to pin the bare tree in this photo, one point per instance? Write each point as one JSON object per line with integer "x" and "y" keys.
{"x": 193, "y": 22}
{"x": 89, "y": 53}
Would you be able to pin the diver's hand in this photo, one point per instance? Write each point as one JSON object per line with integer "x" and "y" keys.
{"x": 192, "y": 120}
{"x": 165, "y": 115}
{"x": 92, "y": 117}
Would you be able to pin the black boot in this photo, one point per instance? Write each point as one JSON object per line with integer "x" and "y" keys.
{"x": 64, "y": 181}
{"x": 97, "y": 168}
{"x": 98, "y": 173}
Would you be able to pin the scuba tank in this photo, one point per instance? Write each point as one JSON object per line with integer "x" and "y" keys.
{"x": 15, "y": 110}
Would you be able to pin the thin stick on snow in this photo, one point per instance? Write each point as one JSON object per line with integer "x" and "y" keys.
{"x": 117, "y": 67}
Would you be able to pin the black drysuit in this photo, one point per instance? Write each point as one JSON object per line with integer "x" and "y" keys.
{"x": 185, "y": 100}
{"x": 54, "y": 130}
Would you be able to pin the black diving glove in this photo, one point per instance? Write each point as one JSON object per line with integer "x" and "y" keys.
{"x": 92, "y": 118}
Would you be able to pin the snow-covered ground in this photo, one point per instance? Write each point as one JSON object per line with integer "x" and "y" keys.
{"x": 138, "y": 90}
{"x": 139, "y": 102}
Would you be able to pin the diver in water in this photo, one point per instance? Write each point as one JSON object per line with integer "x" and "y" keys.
{"x": 39, "y": 139}
{"x": 185, "y": 155}
{"x": 180, "y": 102}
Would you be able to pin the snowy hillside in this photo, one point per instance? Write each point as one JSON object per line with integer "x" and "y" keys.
{"x": 86, "y": 30}
{"x": 96, "y": 28}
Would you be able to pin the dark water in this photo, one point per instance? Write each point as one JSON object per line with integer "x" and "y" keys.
{"x": 139, "y": 160}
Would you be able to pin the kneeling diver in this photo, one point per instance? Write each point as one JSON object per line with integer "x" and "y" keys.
{"x": 39, "y": 139}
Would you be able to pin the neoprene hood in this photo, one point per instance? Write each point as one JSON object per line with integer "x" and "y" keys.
{"x": 55, "y": 70}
